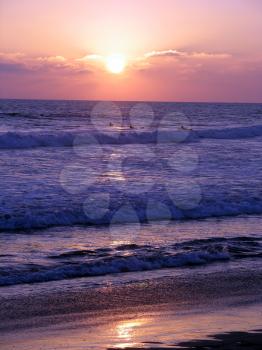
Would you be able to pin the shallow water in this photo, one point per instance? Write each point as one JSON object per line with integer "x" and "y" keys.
{"x": 70, "y": 252}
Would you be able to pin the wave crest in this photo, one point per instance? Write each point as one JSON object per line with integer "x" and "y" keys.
{"x": 24, "y": 140}
{"x": 99, "y": 262}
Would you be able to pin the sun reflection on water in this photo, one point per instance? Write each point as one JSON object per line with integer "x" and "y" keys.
{"x": 126, "y": 331}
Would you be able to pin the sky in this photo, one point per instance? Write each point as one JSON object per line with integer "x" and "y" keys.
{"x": 172, "y": 50}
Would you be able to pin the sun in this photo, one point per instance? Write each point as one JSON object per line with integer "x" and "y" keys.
{"x": 116, "y": 63}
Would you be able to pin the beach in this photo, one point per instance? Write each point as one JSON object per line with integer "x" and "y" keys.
{"x": 160, "y": 313}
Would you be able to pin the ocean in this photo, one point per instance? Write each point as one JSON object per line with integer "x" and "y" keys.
{"x": 115, "y": 192}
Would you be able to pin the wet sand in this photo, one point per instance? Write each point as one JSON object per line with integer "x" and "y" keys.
{"x": 224, "y": 341}
{"x": 163, "y": 313}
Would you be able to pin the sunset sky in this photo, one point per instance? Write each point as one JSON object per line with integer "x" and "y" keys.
{"x": 170, "y": 50}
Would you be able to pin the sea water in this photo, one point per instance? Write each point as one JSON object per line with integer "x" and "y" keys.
{"x": 107, "y": 188}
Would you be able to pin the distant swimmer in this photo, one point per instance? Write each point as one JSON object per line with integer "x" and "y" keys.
{"x": 111, "y": 124}
{"x": 131, "y": 126}
{"x": 184, "y": 128}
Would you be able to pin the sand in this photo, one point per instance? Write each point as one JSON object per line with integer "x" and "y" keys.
{"x": 163, "y": 313}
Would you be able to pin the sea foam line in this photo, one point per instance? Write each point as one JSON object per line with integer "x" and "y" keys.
{"x": 24, "y": 140}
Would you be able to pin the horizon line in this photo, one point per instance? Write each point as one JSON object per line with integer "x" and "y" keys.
{"x": 142, "y": 100}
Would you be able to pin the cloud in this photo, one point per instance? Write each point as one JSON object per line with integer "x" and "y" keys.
{"x": 185, "y": 63}
{"x": 12, "y": 62}
{"x": 184, "y": 54}
{"x": 11, "y": 67}
{"x": 163, "y": 53}
{"x": 52, "y": 59}
{"x": 90, "y": 57}
{"x": 182, "y": 64}
{"x": 209, "y": 55}
{"x": 159, "y": 74}
{"x": 11, "y": 56}
{"x": 21, "y": 63}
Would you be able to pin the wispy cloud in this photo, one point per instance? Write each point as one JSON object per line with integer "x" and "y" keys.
{"x": 184, "y": 54}
{"x": 90, "y": 57}
{"x": 165, "y": 53}
{"x": 171, "y": 53}
{"x": 21, "y": 63}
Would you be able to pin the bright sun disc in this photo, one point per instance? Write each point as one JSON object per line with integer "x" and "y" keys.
{"x": 115, "y": 63}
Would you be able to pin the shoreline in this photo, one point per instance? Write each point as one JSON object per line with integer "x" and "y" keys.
{"x": 234, "y": 323}
{"x": 198, "y": 287}
{"x": 152, "y": 313}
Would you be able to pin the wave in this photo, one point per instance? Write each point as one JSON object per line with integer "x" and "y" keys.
{"x": 24, "y": 140}
{"x": 231, "y": 133}
{"x": 37, "y": 219}
{"x": 132, "y": 258}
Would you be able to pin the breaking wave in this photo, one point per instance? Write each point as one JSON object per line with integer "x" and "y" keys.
{"x": 133, "y": 258}
{"x": 37, "y": 219}
{"x": 24, "y": 140}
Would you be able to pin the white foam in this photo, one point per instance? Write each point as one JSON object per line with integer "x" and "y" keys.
{"x": 12, "y": 140}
